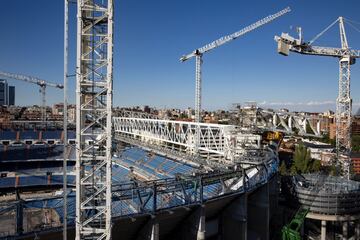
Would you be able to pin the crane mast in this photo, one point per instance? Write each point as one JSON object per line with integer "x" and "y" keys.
{"x": 40, "y": 82}
{"x": 346, "y": 58}
{"x": 198, "y": 53}
{"x": 93, "y": 118}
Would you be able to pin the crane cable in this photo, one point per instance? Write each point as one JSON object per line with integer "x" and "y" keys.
{"x": 351, "y": 24}
{"x": 348, "y": 21}
{"x": 322, "y": 32}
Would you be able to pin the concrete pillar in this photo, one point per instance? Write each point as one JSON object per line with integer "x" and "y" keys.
{"x": 258, "y": 220}
{"x": 345, "y": 230}
{"x": 194, "y": 225}
{"x": 233, "y": 220}
{"x": 323, "y": 230}
{"x": 154, "y": 235}
{"x": 357, "y": 229}
{"x": 201, "y": 225}
{"x": 19, "y": 215}
{"x": 150, "y": 231}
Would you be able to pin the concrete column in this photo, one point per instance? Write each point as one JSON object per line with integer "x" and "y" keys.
{"x": 258, "y": 213}
{"x": 345, "y": 230}
{"x": 201, "y": 225}
{"x": 150, "y": 231}
{"x": 194, "y": 225}
{"x": 154, "y": 235}
{"x": 233, "y": 220}
{"x": 323, "y": 230}
{"x": 19, "y": 215}
{"x": 357, "y": 229}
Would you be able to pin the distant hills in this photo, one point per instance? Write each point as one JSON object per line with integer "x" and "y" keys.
{"x": 358, "y": 112}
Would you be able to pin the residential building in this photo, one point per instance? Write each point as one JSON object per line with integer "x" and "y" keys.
{"x": 356, "y": 125}
{"x": 355, "y": 162}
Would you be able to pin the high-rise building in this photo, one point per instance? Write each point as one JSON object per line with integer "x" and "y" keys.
{"x": 3, "y": 92}
{"x": 11, "y": 95}
{"x": 7, "y": 93}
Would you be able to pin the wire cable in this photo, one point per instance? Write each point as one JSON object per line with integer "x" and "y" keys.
{"x": 321, "y": 33}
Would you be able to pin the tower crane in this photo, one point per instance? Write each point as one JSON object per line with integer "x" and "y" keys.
{"x": 198, "y": 53}
{"x": 41, "y": 83}
{"x": 346, "y": 57}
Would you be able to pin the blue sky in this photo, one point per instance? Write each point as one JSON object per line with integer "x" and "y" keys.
{"x": 151, "y": 36}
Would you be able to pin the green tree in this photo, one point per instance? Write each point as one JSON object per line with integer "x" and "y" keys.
{"x": 355, "y": 142}
{"x": 293, "y": 170}
{"x": 283, "y": 169}
{"x": 300, "y": 158}
{"x": 302, "y": 161}
{"x": 316, "y": 166}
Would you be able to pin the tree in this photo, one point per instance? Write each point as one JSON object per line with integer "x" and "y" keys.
{"x": 293, "y": 170}
{"x": 302, "y": 161}
{"x": 300, "y": 158}
{"x": 355, "y": 142}
{"x": 316, "y": 166}
{"x": 283, "y": 169}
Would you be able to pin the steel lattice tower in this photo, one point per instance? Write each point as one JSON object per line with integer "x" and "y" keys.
{"x": 343, "y": 112}
{"x": 93, "y": 123}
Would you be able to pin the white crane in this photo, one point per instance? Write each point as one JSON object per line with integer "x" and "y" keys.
{"x": 197, "y": 53}
{"x": 41, "y": 83}
{"x": 346, "y": 57}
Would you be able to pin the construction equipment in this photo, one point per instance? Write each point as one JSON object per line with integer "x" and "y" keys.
{"x": 346, "y": 57}
{"x": 291, "y": 231}
{"x": 41, "y": 83}
{"x": 197, "y": 53}
{"x": 94, "y": 77}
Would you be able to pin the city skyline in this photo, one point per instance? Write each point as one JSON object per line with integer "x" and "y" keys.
{"x": 147, "y": 70}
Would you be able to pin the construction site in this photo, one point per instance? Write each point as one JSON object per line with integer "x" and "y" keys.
{"x": 124, "y": 174}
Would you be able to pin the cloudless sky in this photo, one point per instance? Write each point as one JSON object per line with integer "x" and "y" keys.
{"x": 151, "y": 36}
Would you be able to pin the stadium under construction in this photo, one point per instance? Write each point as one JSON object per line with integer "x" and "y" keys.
{"x": 139, "y": 176}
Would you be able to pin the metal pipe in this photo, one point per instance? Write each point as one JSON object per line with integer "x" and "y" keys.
{"x": 66, "y": 23}
{"x": 78, "y": 120}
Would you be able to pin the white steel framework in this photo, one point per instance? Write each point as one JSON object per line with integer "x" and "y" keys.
{"x": 93, "y": 123}
{"x": 219, "y": 142}
{"x": 212, "y": 136}
{"x": 343, "y": 108}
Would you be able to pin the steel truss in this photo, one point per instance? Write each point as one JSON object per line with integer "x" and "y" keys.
{"x": 225, "y": 143}
{"x": 215, "y": 139}
{"x": 343, "y": 114}
{"x": 288, "y": 122}
{"x": 93, "y": 123}
{"x": 176, "y": 139}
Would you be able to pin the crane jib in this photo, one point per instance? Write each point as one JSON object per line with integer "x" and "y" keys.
{"x": 235, "y": 35}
